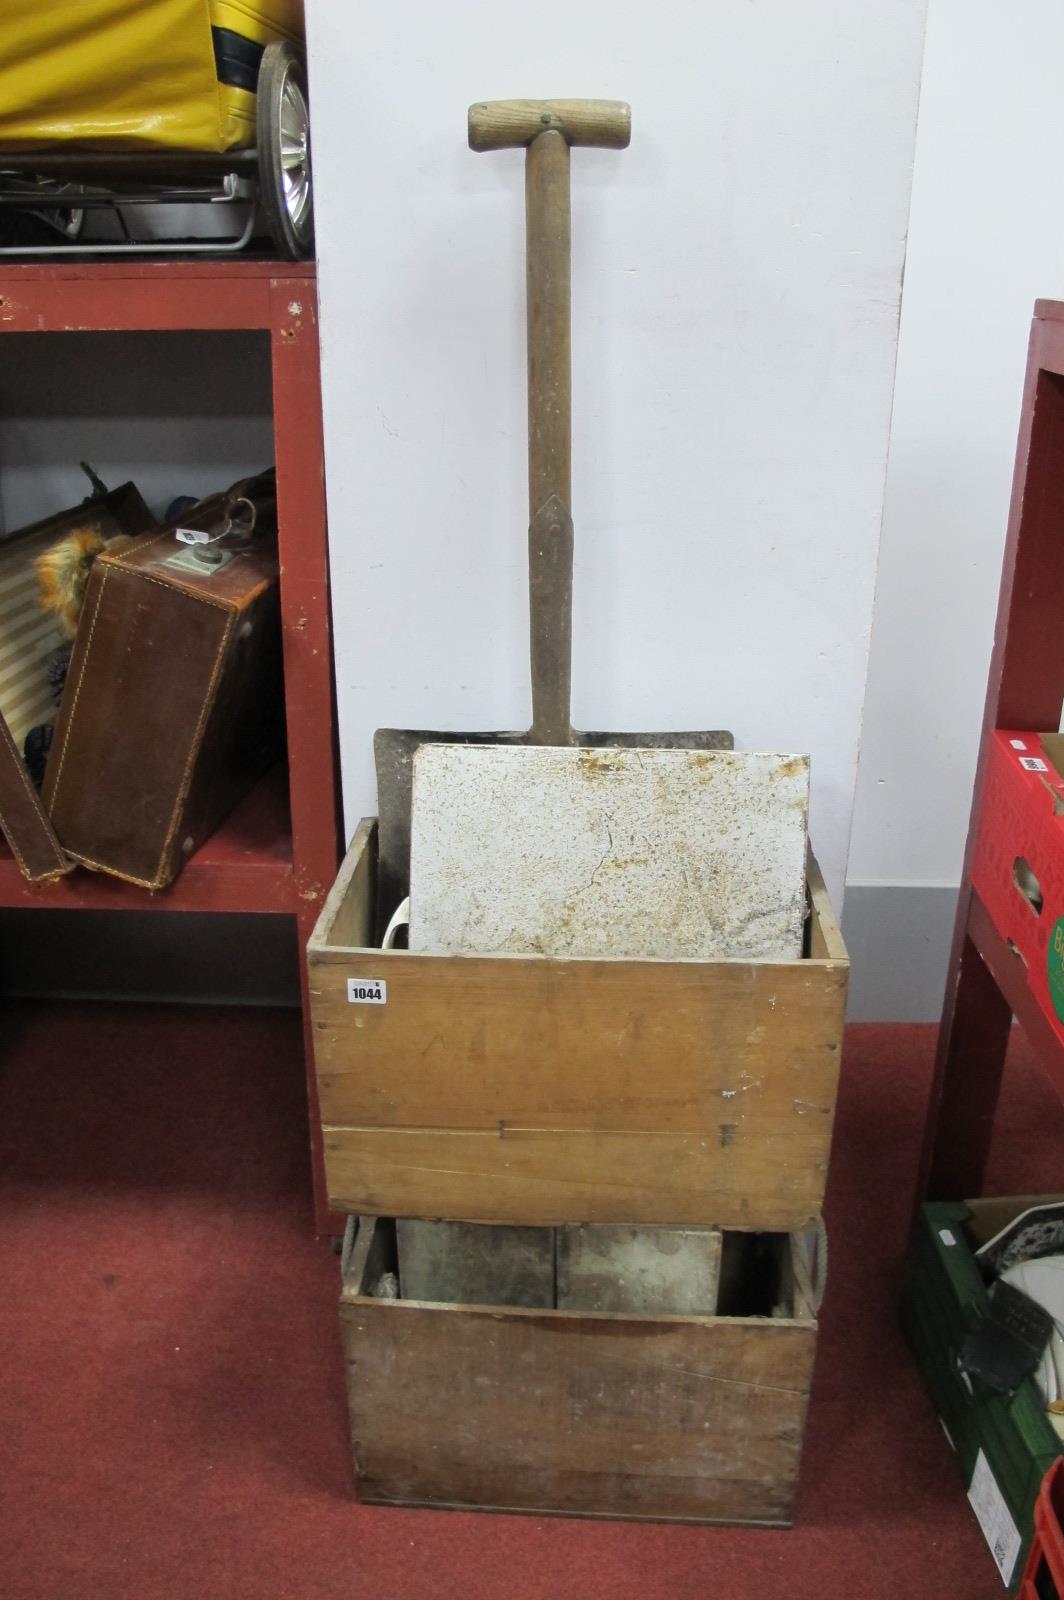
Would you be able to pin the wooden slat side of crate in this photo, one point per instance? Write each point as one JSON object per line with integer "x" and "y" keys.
{"x": 522, "y": 1089}
{"x": 666, "y": 1418}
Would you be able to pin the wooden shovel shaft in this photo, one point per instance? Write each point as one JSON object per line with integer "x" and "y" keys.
{"x": 547, "y": 128}
{"x": 549, "y": 255}
{"x": 550, "y": 527}
{"x": 550, "y": 622}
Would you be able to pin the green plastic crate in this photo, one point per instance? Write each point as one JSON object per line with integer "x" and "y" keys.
{"x": 944, "y": 1295}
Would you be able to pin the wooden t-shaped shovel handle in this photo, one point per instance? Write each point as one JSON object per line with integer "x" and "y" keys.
{"x": 501, "y": 124}
{"x": 548, "y": 128}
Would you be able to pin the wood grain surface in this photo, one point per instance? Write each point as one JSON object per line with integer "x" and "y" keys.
{"x": 548, "y": 252}
{"x": 501, "y": 124}
{"x": 539, "y": 1091}
{"x": 673, "y": 1417}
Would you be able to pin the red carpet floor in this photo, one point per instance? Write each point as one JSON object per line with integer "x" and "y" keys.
{"x": 172, "y": 1417}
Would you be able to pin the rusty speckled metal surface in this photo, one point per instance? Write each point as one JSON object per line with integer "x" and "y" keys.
{"x": 646, "y": 854}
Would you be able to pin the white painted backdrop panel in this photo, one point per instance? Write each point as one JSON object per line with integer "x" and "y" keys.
{"x": 736, "y": 286}
{"x": 987, "y": 241}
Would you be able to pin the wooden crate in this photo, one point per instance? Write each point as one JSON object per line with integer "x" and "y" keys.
{"x": 526, "y": 1089}
{"x": 676, "y": 1418}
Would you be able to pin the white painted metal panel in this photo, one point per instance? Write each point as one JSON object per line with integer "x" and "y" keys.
{"x": 659, "y": 854}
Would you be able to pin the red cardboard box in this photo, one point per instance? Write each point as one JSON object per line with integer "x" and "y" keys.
{"x": 1018, "y": 870}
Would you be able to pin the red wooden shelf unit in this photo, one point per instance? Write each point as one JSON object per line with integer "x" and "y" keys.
{"x": 1008, "y": 951}
{"x": 279, "y": 851}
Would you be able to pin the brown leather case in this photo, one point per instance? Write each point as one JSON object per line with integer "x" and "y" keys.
{"x": 23, "y": 819}
{"x": 173, "y": 705}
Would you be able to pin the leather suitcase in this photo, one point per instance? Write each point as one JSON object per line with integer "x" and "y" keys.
{"x": 174, "y": 700}
{"x": 24, "y": 821}
{"x": 28, "y": 638}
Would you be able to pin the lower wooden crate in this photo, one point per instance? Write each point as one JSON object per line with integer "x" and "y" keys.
{"x": 659, "y": 1417}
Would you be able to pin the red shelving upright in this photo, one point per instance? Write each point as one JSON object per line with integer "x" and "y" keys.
{"x": 988, "y": 980}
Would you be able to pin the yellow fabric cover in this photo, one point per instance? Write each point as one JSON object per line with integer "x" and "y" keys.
{"x": 128, "y": 74}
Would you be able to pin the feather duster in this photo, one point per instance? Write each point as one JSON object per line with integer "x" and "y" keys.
{"x": 63, "y": 572}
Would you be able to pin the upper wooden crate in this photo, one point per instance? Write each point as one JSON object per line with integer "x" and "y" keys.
{"x": 526, "y": 1089}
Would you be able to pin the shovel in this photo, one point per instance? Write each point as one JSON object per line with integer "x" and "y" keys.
{"x": 547, "y": 129}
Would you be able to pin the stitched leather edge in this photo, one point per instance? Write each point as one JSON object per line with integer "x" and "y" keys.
{"x": 62, "y": 866}
{"x": 54, "y": 795}
{"x": 175, "y": 583}
{"x": 197, "y": 741}
{"x": 154, "y": 885}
